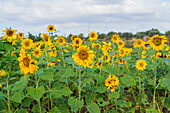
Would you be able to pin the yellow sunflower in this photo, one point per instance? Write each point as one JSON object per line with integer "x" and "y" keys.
{"x": 141, "y": 65}
{"x": 60, "y": 40}
{"x": 84, "y": 56}
{"x": 2, "y": 72}
{"x": 53, "y": 53}
{"x": 46, "y": 38}
{"x": 120, "y": 44}
{"x": 26, "y": 64}
{"x": 93, "y": 36}
{"x": 73, "y": 37}
{"x": 27, "y": 43}
{"x": 115, "y": 38}
{"x": 77, "y": 42}
{"x": 143, "y": 54}
{"x": 106, "y": 47}
{"x": 108, "y": 82}
{"x": 107, "y": 58}
{"x": 157, "y": 42}
{"x": 20, "y": 36}
{"x": 67, "y": 49}
{"x": 99, "y": 63}
{"x": 51, "y": 64}
{"x": 122, "y": 52}
{"x": 146, "y": 45}
{"x": 9, "y": 34}
{"x": 50, "y": 28}
{"x": 96, "y": 46}
{"x": 112, "y": 82}
{"x": 37, "y": 52}
{"x": 115, "y": 55}
{"x": 128, "y": 50}
{"x": 120, "y": 61}
{"x": 138, "y": 43}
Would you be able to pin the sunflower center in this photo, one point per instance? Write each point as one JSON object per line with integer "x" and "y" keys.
{"x": 27, "y": 43}
{"x": 146, "y": 45}
{"x": 51, "y": 28}
{"x": 20, "y": 35}
{"x": 46, "y": 39}
{"x": 138, "y": 42}
{"x": 106, "y": 57}
{"x": 120, "y": 43}
{"x": 36, "y": 52}
{"x": 141, "y": 64}
{"x": 100, "y": 64}
{"x": 77, "y": 42}
{"x": 122, "y": 51}
{"x": 26, "y": 61}
{"x": 109, "y": 82}
{"x": 10, "y": 33}
{"x": 83, "y": 55}
{"x": 157, "y": 41}
{"x": 61, "y": 41}
{"x": 92, "y": 35}
{"x": 115, "y": 38}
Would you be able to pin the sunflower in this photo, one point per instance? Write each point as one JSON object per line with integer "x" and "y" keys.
{"x": 96, "y": 46}
{"x": 112, "y": 82}
{"x": 122, "y": 52}
{"x": 160, "y": 55}
{"x": 84, "y": 56}
{"x": 120, "y": 44}
{"x": 26, "y": 64}
{"x": 9, "y": 34}
{"x": 141, "y": 65}
{"x": 157, "y": 42}
{"x": 53, "y": 53}
{"x": 37, "y": 44}
{"x": 60, "y": 40}
{"x": 143, "y": 54}
{"x": 73, "y": 37}
{"x": 2, "y": 72}
{"x": 46, "y": 38}
{"x": 120, "y": 61}
{"x": 107, "y": 58}
{"x": 50, "y": 28}
{"x": 99, "y": 63}
{"x": 93, "y": 36}
{"x": 51, "y": 64}
{"x": 138, "y": 43}
{"x": 67, "y": 49}
{"x": 77, "y": 42}
{"x": 27, "y": 43}
{"x": 128, "y": 50}
{"x": 115, "y": 38}
{"x": 37, "y": 52}
{"x": 115, "y": 55}
{"x": 20, "y": 36}
{"x": 146, "y": 45}
{"x": 106, "y": 47}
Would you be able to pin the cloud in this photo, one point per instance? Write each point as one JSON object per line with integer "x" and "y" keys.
{"x": 72, "y": 16}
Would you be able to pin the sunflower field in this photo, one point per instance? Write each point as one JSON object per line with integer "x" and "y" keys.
{"x": 84, "y": 76}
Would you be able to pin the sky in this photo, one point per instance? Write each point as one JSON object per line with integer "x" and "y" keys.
{"x": 84, "y": 16}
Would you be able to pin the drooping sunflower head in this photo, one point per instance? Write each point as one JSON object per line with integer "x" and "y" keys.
{"x": 120, "y": 44}
{"x": 141, "y": 65}
{"x": 73, "y": 37}
{"x": 157, "y": 42}
{"x": 20, "y": 36}
{"x": 60, "y": 40}
{"x": 115, "y": 37}
{"x": 84, "y": 56}
{"x": 77, "y": 41}
{"x": 96, "y": 46}
{"x": 50, "y": 28}
{"x": 8, "y": 33}
{"x": 93, "y": 36}
{"x": 46, "y": 38}
{"x": 27, "y": 43}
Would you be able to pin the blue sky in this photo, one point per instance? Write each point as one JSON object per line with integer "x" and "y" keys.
{"x": 84, "y": 16}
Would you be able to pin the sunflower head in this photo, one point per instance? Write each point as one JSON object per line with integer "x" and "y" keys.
{"x": 77, "y": 42}
{"x": 146, "y": 45}
{"x": 8, "y": 33}
{"x": 27, "y": 43}
{"x": 157, "y": 42}
{"x": 46, "y": 38}
{"x": 84, "y": 56}
{"x": 120, "y": 44}
{"x": 50, "y": 28}
{"x": 107, "y": 58}
{"x": 60, "y": 40}
{"x": 138, "y": 43}
{"x": 2, "y": 73}
{"x": 93, "y": 36}
{"x": 106, "y": 47}
{"x": 96, "y": 46}
{"x": 115, "y": 38}
{"x": 73, "y": 37}
{"x": 20, "y": 36}
{"x": 141, "y": 65}
{"x": 37, "y": 52}
{"x": 122, "y": 52}
{"x": 112, "y": 82}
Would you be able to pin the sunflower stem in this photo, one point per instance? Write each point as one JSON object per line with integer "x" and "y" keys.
{"x": 79, "y": 87}
{"x": 62, "y": 57}
{"x": 8, "y": 92}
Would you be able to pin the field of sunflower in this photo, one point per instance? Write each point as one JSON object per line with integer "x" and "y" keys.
{"x": 83, "y": 76}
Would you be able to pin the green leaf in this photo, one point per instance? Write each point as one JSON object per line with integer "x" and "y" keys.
{"x": 27, "y": 102}
{"x": 115, "y": 95}
{"x": 101, "y": 102}
{"x": 60, "y": 90}
{"x": 47, "y": 76}
{"x": 128, "y": 81}
{"x": 167, "y": 61}
{"x": 16, "y": 97}
{"x": 99, "y": 79}
{"x": 93, "y": 108}
{"x": 75, "y": 104}
{"x": 89, "y": 98}
{"x": 36, "y": 93}
{"x": 165, "y": 82}
{"x": 7, "y": 46}
{"x": 55, "y": 110}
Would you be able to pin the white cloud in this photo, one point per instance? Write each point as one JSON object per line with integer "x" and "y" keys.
{"x": 73, "y": 16}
